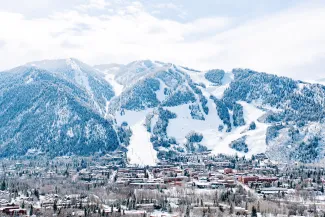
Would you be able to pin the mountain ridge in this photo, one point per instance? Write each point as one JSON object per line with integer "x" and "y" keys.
{"x": 163, "y": 109}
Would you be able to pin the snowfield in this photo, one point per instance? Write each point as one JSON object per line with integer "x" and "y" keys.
{"x": 118, "y": 88}
{"x": 140, "y": 151}
{"x": 256, "y": 139}
{"x": 212, "y": 89}
{"x": 217, "y": 141}
{"x": 184, "y": 124}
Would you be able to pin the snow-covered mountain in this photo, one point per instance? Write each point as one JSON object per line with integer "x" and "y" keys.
{"x": 152, "y": 109}
{"x": 56, "y": 112}
{"x": 81, "y": 75}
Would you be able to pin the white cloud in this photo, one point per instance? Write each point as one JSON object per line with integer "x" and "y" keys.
{"x": 167, "y": 5}
{"x": 279, "y": 44}
{"x": 205, "y": 25}
{"x": 94, "y": 4}
{"x": 161, "y": 7}
{"x": 2, "y": 44}
{"x": 283, "y": 43}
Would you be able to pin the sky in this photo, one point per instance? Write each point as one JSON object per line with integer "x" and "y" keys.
{"x": 283, "y": 37}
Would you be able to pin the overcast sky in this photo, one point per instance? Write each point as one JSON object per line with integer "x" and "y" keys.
{"x": 284, "y": 37}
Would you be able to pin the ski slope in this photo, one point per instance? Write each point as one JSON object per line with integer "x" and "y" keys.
{"x": 140, "y": 151}
{"x": 118, "y": 88}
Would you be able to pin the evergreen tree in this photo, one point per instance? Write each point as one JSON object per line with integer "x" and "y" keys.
{"x": 254, "y": 212}
{"x": 55, "y": 206}
{"x": 231, "y": 209}
{"x": 3, "y": 186}
{"x": 31, "y": 210}
{"x": 187, "y": 212}
{"x": 36, "y": 193}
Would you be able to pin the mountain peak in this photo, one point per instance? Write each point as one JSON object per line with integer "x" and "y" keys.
{"x": 81, "y": 75}
{"x": 55, "y": 65}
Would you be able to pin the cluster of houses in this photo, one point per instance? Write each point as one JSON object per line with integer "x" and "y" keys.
{"x": 190, "y": 170}
{"x": 195, "y": 171}
{"x": 12, "y": 210}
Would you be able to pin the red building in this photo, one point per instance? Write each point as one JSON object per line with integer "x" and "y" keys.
{"x": 12, "y": 210}
{"x": 267, "y": 179}
{"x": 175, "y": 179}
{"x": 246, "y": 179}
{"x": 227, "y": 170}
{"x": 17, "y": 212}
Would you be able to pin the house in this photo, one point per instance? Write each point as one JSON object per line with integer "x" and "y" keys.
{"x": 247, "y": 179}
{"x": 216, "y": 185}
{"x": 175, "y": 179}
{"x": 203, "y": 185}
{"x": 227, "y": 171}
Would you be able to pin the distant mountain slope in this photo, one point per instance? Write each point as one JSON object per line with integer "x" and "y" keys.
{"x": 109, "y": 68}
{"x": 41, "y": 111}
{"x": 152, "y": 110}
{"x": 83, "y": 76}
{"x": 177, "y": 103}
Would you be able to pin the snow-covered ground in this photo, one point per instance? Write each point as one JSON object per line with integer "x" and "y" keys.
{"x": 118, "y": 88}
{"x": 255, "y": 138}
{"x": 140, "y": 150}
{"x": 184, "y": 124}
{"x": 217, "y": 91}
{"x": 160, "y": 93}
{"x": 162, "y": 214}
{"x": 212, "y": 138}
